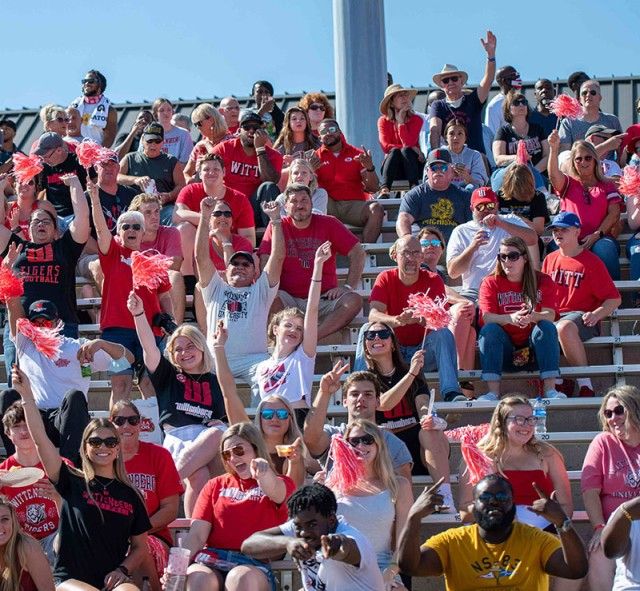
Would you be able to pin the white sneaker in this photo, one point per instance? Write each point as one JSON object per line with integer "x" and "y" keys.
{"x": 491, "y": 396}
{"x": 447, "y": 497}
{"x": 551, "y": 394}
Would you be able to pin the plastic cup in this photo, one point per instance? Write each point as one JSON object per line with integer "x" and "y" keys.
{"x": 284, "y": 451}
{"x": 178, "y": 561}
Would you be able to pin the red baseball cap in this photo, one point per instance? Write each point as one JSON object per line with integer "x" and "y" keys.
{"x": 483, "y": 195}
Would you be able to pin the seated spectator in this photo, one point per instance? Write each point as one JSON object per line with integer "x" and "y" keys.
{"x": 97, "y": 549}
{"x": 230, "y": 109}
{"x": 223, "y": 243}
{"x": 436, "y": 202}
{"x": 631, "y": 149}
{"x": 304, "y": 232}
{"x": 330, "y": 553}
{"x": 619, "y": 541}
{"x": 585, "y": 294}
{"x": 186, "y": 216}
{"x": 99, "y": 116}
{"x": 586, "y": 193}
{"x": 153, "y": 171}
{"x": 116, "y": 323}
{"x": 596, "y": 135}
{"x": 214, "y": 130}
{"x": 468, "y": 165}
{"x": 301, "y": 171}
{"x": 473, "y": 246}
{"x": 177, "y": 141}
{"x": 54, "y": 119}
{"x": 59, "y": 386}
{"x": 267, "y": 108}
{"x": 463, "y": 312}
{"x": 189, "y": 398}
{"x": 181, "y": 120}
{"x": 296, "y": 137}
{"x": 361, "y": 398}
{"x": 36, "y": 505}
{"x": 151, "y": 470}
{"x": 130, "y": 142}
{"x": 518, "y": 307}
{"x": 25, "y": 564}
{"x": 230, "y": 508}
{"x": 398, "y": 132}
{"x": 572, "y": 130}
{"x": 275, "y": 419}
{"x": 508, "y": 80}
{"x": 457, "y": 104}
{"x": 244, "y": 299}
{"x": 388, "y": 302}
{"x": 404, "y": 401}
{"x": 433, "y": 96}
{"x": 18, "y": 213}
{"x": 544, "y": 92}
{"x": 496, "y": 549}
{"x": 318, "y": 108}
{"x": 250, "y": 161}
{"x": 607, "y": 492}
{"x": 74, "y": 126}
{"x": 8, "y": 128}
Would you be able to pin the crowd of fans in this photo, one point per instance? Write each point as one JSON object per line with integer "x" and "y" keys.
{"x": 253, "y": 216}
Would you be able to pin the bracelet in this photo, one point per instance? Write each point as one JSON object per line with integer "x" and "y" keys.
{"x": 260, "y": 151}
{"x": 370, "y": 169}
{"x": 412, "y": 374}
{"x": 316, "y": 280}
{"x": 137, "y": 316}
{"x": 16, "y": 230}
{"x": 626, "y": 513}
{"x": 124, "y": 570}
{"x": 599, "y": 526}
{"x": 491, "y": 59}
{"x": 347, "y": 286}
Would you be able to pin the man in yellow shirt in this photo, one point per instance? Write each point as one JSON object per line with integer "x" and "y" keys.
{"x": 494, "y": 551}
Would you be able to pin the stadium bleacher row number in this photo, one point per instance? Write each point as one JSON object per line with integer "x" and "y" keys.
{"x": 543, "y": 436}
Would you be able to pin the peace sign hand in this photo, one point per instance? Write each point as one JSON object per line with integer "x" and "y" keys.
{"x": 548, "y": 507}
{"x": 430, "y": 501}
{"x": 330, "y": 382}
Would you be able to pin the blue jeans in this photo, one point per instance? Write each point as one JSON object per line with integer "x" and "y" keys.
{"x": 607, "y": 250}
{"x": 633, "y": 254}
{"x": 439, "y": 353}
{"x": 496, "y": 350}
{"x": 166, "y": 214}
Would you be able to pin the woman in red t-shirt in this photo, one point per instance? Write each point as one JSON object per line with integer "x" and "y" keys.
{"x": 223, "y": 243}
{"x": 250, "y": 497}
{"x": 18, "y": 213}
{"x": 517, "y": 310}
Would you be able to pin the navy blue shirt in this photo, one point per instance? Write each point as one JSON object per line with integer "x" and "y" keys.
{"x": 469, "y": 111}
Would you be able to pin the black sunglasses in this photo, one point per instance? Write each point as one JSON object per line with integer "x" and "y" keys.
{"x": 218, "y": 214}
{"x": 198, "y": 124}
{"x": 520, "y": 102}
{"x": 154, "y": 141}
{"x": 509, "y": 256}
{"x": 251, "y": 126}
{"x": 317, "y": 108}
{"x": 89, "y": 81}
{"x": 96, "y": 442}
{"x": 132, "y": 226}
{"x": 450, "y": 79}
{"x": 121, "y": 421}
{"x": 589, "y": 92}
{"x": 382, "y": 334}
{"x": 366, "y": 439}
{"x": 617, "y": 410}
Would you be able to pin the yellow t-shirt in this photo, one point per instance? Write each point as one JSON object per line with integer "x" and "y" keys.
{"x": 469, "y": 563}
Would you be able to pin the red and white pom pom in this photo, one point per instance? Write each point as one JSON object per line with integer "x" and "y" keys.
{"x": 88, "y": 153}
{"x": 150, "y": 269}
{"x": 347, "y": 470}
{"x": 478, "y": 464}
{"x": 107, "y": 154}
{"x": 629, "y": 184}
{"x": 565, "y": 106}
{"x": 10, "y": 285}
{"x": 522, "y": 155}
{"x": 26, "y": 167}
{"x": 433, "y": 311}
{"x": 47, "y": 340}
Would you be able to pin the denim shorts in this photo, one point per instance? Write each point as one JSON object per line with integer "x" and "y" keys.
{"x": 224, "y": 560}
{"x": 127, "y": 337}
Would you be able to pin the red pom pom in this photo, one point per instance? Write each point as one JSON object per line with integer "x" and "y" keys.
{"x": 566, "y": 106}
{"x": 478, "y": 464}
{"x": 47, "y": 340}
{"x": 522, "y": 156}
{"x": 433, "y": 311}
{"x": 150, "y": 269}
{"x": 629, "y": 184}
{"x": 10, "y": 285}
{"x": 26, "y": 167}
{"x": 347, "y": 470}
{"x": 88, "y": 153}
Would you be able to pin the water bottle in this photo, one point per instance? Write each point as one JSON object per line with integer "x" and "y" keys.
{"x": 540, "y": 413}
{"x": 176, "y": 572}
{"x": 175, "y": 582}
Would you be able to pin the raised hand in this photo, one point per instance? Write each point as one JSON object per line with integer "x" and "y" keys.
{"x": 70, "y": 179}
{"x": 430, "y": 501}
{"x": 554, "y": 141}
{"x": 490, "y": 44}
{"x": 221, "y": 335}
{"x": 548, "y": 507}
{"x": 330, "y": 382}
{"x": 259, "y": 467}
{"x": 323, "y": 252}
{"x": 365, "y": 159}
{"x": 12, "y": 254}
{"x": 260, "y": 138}
{"x": 417, "y": 362}
{"x": 271, "y": 210}
{"x": 331, "y": 545}
{"x": 134, "y": 304}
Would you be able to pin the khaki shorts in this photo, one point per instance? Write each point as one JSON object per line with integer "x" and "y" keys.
{"x": 348, "y": 212}
{"x": 325, "y": 307}
{"x": 82, "y": 268}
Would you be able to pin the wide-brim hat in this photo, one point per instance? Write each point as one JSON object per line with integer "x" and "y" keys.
{"x": 390, "y": 92}
{"x": 449, "y": 70}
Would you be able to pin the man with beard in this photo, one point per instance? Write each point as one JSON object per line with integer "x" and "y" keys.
{"x": 545, "y": 93}
{"x": 495, "y": 551}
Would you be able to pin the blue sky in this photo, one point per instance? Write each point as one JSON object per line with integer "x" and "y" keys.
{"x": 197, "y": 48}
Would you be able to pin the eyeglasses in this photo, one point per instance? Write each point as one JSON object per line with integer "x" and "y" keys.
{"x": 382, "y": 334}
{"x": 121, "y": 421}
{"x": 424, "y": 242}
{"x": 501, "y": 497}
{"x": 125, "y": 227}
{"x": 509, "y": 256}
{"x": 187, "y": 349}
{"x": 485, "y": 206}
{"x": 589, "y": 92}
{"x": 154, "y": 141}
{"x": 237, "y": 450}
{"x": 109, "y": 442}
{"x": 61, "y": 119}
{"x": 41, "y": 222}
{"x": 450, "y": 79}
{"x": 617, "y": 410}
{"x": 250, "y": 126}
{"x": 438, "y": 167}
{"x": 282, "y": 414}
{"x": 521, "y": 102}
{"x": 198, "y": 124}
{"x": 407, "y": 254}
{"x": 356, "y": 441}
{"x": 329, "y": 129}
{"x": 316, "y": 107}
{"x": 522, "y": 421}
{"x": 583, "y": 158}
{"x": 89, "y": 81}
{"x": 219, "y": 214}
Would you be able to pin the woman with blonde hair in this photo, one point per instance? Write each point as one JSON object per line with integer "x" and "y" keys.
{"x": 302, "y": 171}
{"x": 379, "y": 505}
{"x": 103, "y": 520}
{"x": 23, "y": 564}
{"x": 189, "y": 397}
{"x": 250, "y": 497}
{"x": 54, "y": 118}
{"x": 214, "y": 130}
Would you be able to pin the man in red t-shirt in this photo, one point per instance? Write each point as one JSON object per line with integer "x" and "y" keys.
{"x": 586, "y": 294}
{"x": 349, "y": 176}
{"x": 387, "y": 303}
{"x": 250, "y": 161}
{"x": 304, "y": 232}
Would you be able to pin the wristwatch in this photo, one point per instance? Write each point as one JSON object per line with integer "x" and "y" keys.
{"x": 124, "y": 570}
{"x": 567, "y": 524}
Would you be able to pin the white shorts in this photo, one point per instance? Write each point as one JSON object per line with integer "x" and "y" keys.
{"x": 180, "y": 439}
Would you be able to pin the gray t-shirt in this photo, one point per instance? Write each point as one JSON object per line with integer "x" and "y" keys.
{"x": 320, "y": 574}
{"x": 160, "y": 169}
{"x": 177, "y": 143}
{"x": 575, "y": 129}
